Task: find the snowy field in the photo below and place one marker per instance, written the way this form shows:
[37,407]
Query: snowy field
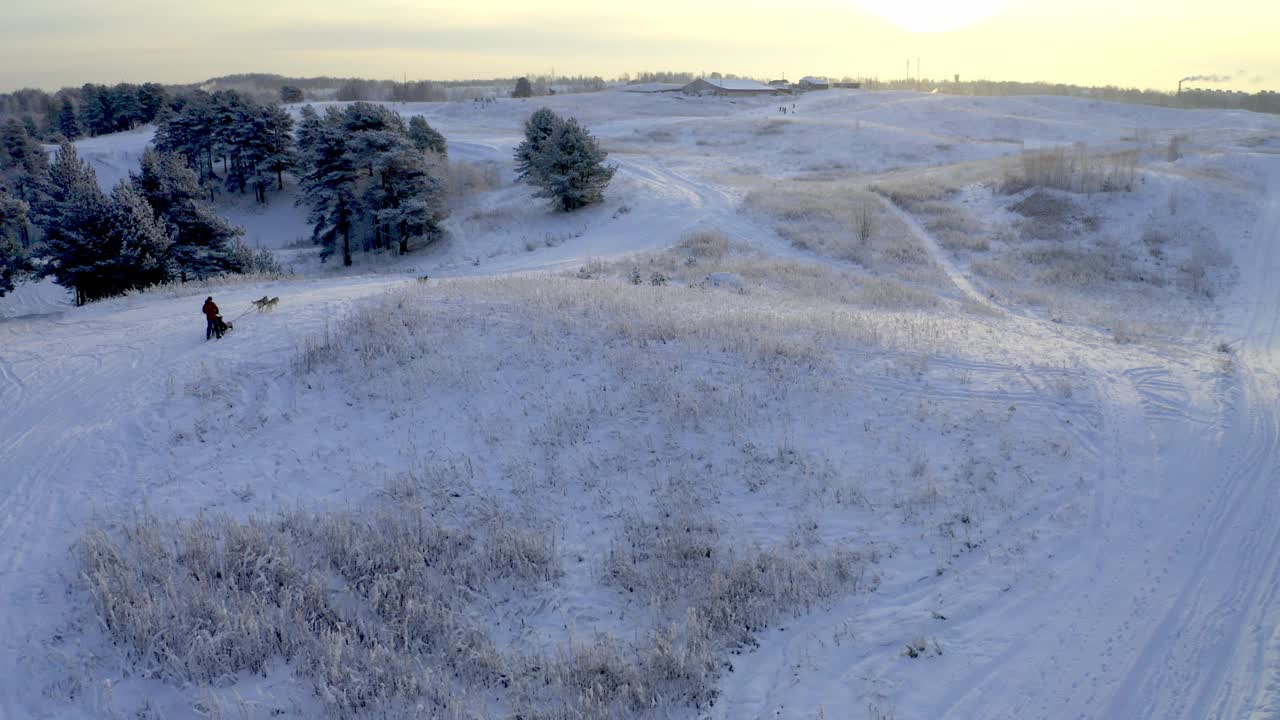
[896,406]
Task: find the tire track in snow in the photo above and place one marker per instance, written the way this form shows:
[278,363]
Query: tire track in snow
[1164,399]
[1234,543]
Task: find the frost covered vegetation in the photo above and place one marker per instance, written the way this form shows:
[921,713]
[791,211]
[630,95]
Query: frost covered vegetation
[843,222]
[597,542]
[1092,238]
[862,409]
[384,612]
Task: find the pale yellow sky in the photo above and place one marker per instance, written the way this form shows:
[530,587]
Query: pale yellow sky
[1143,43]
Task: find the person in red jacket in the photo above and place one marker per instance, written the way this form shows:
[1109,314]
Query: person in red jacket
[211,315]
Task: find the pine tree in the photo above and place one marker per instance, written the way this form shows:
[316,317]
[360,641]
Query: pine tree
[310,131]
[371,130]
[426,137]
[408,198]
[250,152]
[125,109]
[201,240]
[24,169]
[22,154]
[137,241]
[152,98]
[190,131]
[537,129]
[329,183]
[570,170]
[290,94]
[74,218]
[360,169]
[276,147]
[14,262]
[232,118]
[50,128]
[523,88]
[93,112]
[67,124]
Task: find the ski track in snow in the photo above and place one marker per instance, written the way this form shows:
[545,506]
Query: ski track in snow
[1167,609]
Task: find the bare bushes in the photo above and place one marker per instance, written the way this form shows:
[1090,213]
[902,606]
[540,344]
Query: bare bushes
[677,561]
[706,259]
[678,565]
[911,195]
[1045,216]
[1045,205]
[839,222]
[887,294]
[406,324]
[1072,169]
[705,245]
[1201,272]
[1105,262]
[360,606]
[467,178]
[772,127]
[664,670]
[658,135]
[954,228]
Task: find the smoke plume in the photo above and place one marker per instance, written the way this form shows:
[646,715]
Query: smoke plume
[1207,78]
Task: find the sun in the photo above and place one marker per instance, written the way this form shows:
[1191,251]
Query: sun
[933,15]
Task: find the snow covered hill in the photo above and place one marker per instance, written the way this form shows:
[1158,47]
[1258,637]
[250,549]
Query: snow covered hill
[928,444]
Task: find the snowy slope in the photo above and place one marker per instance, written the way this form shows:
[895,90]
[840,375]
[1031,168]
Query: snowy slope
[1125,554]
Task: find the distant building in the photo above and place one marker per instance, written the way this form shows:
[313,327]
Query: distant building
[779,83]
[653,87]
[728,86]
[810,82]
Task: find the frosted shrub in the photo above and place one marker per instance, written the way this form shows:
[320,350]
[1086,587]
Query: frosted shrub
[705,244]
[466,178]
[603,678]
[679,563]
[839,221]
[1075,169]
[370,609]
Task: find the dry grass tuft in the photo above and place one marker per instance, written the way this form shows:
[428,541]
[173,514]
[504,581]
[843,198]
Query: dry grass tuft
[1074,169]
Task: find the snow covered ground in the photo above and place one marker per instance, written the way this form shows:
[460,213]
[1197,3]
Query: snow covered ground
[1020,452]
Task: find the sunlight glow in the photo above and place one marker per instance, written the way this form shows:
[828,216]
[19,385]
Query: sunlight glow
[933,15]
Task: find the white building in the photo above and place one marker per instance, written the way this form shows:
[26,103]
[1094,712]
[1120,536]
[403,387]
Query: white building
[728,86]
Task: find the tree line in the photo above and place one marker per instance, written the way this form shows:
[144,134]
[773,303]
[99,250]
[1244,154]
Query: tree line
[1265,101]
[252,142]
[152,228]
[90,110]
[369,180]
